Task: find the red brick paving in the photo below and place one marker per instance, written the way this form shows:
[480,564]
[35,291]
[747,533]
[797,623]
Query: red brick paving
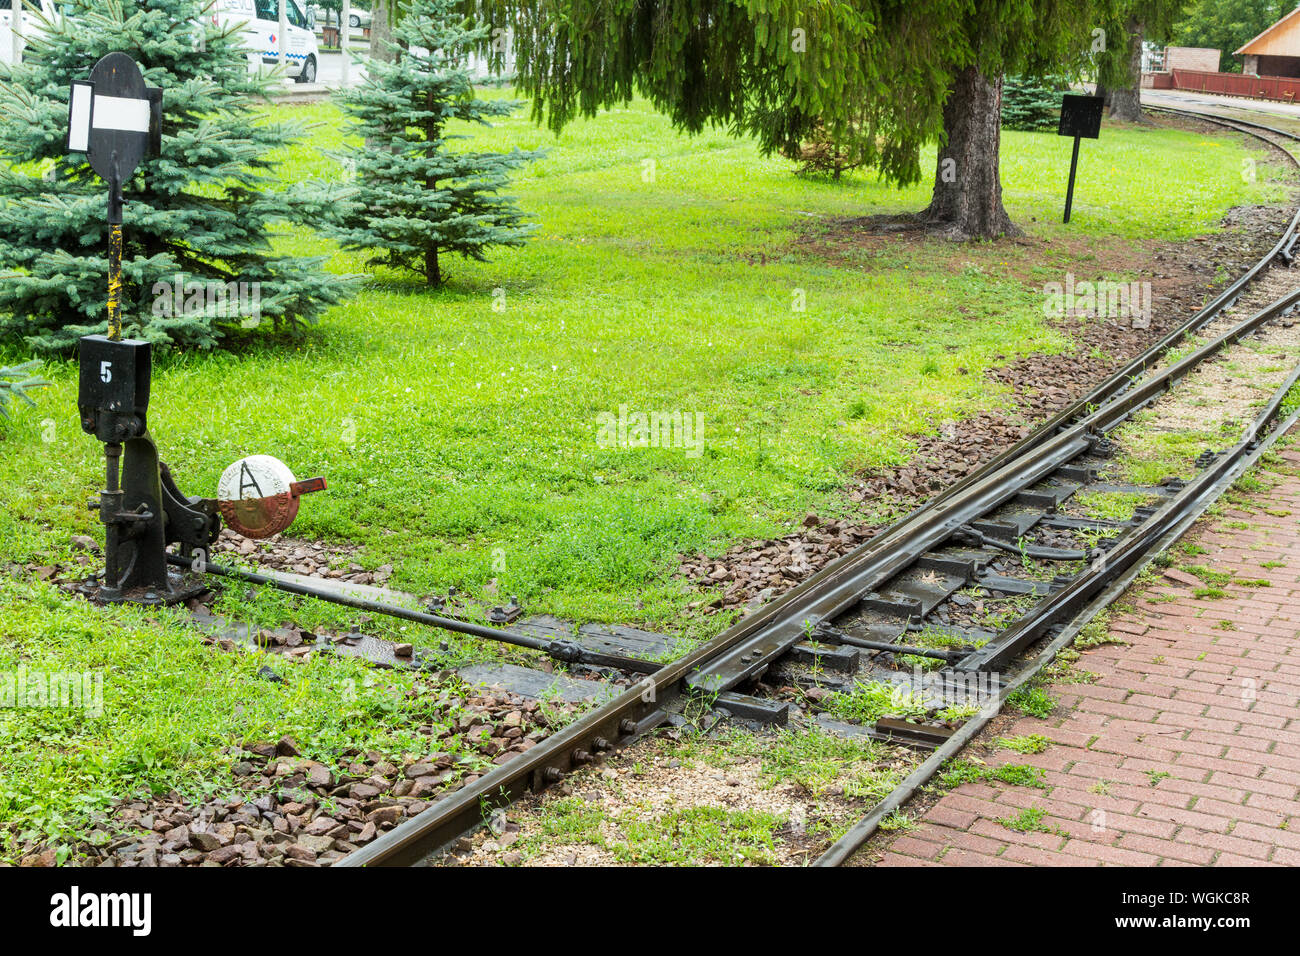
[1185,751]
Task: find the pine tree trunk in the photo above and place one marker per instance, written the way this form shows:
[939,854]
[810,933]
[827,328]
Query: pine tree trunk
[432,271]
[381,30]
[432,135]
[381,38]
[1126,103]
[967,200]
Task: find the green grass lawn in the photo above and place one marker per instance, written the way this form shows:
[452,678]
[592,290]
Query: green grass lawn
[457,437]
[460,440]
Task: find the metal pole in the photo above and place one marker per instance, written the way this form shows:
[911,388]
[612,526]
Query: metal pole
[115,256]
[560,649]
[16,32]
[1069,192]
[284,29]
[345,41]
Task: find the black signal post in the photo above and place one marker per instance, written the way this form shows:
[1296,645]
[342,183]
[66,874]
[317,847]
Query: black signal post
[1080,118]
[116,120]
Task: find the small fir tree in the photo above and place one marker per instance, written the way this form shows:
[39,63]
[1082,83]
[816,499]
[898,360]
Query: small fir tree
[1030,104]
[415,199]
[199,218]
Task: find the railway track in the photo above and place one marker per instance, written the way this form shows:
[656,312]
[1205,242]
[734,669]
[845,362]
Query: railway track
[1014,531]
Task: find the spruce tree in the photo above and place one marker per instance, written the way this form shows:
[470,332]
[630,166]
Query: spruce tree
[201,215]
[416,198]
[1029,103]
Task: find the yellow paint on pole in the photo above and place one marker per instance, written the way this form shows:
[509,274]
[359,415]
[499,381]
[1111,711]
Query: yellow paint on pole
[115,282]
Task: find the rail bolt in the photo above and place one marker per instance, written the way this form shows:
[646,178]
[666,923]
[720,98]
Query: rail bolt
[600,745]
[627,727]
[552,774]
[580,756]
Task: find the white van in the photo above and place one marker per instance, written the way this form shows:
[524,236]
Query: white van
[260,36]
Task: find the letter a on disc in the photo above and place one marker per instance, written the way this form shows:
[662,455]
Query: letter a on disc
[256,496]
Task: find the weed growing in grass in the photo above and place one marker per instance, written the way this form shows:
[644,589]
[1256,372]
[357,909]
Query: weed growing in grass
[1111,505]
[871,700]
[564,821]
[1033,702]
[1030,820]
[1250,484]
[1209,575]
[957,713]
[1064,669]
[697,835]
[930,636]
[818,762]
[1155,776]
[896,821]
[1096,633]
[958,771]
[1030,744]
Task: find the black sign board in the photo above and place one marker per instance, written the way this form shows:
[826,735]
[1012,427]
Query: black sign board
[1081,116]
[116,121]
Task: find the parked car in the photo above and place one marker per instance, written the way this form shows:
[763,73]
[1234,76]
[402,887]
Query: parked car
[358,17]
[262,19]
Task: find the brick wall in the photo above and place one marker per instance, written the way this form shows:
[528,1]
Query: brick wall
[1191,58]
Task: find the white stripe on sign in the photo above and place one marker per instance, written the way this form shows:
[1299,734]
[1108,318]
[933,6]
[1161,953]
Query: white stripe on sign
[121,113]
[79,132]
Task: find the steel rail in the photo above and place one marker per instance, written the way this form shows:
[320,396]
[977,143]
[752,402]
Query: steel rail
[1128,547]
[826,593]
[1190,504]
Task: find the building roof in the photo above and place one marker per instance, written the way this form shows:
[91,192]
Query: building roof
[1281,39]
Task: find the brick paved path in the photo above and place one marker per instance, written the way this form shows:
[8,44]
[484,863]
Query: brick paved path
[1185,751]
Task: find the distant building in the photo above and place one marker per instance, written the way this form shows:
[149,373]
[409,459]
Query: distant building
[1200,58]
[1276,51]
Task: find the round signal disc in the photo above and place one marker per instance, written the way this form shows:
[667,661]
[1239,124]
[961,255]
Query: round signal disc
[256,498]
